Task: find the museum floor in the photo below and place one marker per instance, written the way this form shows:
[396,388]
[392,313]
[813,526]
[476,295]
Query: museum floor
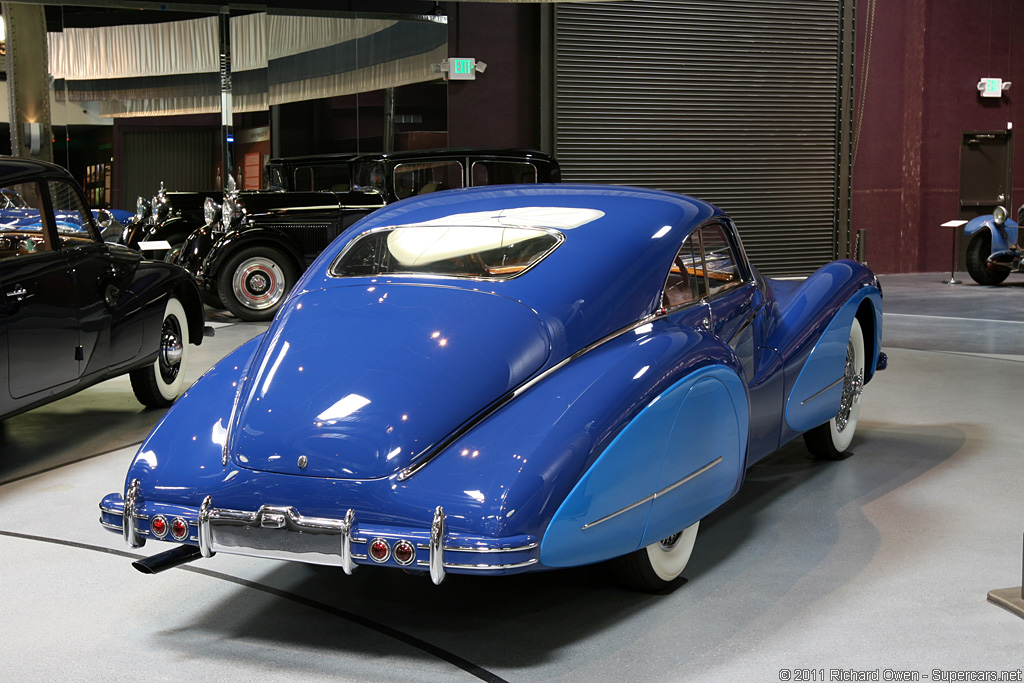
[878,562]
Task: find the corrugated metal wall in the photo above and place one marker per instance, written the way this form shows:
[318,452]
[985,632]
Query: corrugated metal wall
[736,102]
[183,159]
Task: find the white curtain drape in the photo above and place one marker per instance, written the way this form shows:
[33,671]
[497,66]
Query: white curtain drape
[304,58]
[173,47]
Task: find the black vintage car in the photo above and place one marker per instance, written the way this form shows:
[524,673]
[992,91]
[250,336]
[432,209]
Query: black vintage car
[161,224]
[250,258]
[77,310]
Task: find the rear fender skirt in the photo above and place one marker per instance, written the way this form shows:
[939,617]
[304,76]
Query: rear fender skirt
[816,393]
[680,458]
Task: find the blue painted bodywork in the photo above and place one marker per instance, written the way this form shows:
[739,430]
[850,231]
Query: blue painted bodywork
[1003,236]
[528,408]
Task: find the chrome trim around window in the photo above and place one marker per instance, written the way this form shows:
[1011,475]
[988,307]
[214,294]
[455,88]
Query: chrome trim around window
[653,496]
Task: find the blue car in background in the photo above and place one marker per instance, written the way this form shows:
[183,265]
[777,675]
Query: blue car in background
[507,379]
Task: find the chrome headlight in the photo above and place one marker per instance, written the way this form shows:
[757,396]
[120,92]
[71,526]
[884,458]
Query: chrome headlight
[160,212]
[141,209]
[228,211]
[999,215]
[210,211]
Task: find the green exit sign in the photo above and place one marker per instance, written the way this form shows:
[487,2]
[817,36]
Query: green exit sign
[462,68]
[992,87]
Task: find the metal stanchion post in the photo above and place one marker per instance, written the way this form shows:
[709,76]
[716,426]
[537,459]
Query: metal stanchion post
[956,225]
[1011,599]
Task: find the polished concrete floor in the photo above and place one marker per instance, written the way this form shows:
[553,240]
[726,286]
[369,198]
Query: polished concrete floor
[878,562]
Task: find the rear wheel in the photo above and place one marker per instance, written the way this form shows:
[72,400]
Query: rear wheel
[978,251]
[254,282]
[830,440]
[655,568]
[157,385]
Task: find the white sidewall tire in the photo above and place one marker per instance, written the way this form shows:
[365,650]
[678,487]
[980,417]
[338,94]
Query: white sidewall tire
[842,439]
[171,390]
[669,564]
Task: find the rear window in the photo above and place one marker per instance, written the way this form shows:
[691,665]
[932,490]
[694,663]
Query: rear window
[493,253]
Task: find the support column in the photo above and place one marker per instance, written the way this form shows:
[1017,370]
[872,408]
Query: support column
[28,81]
[227,130]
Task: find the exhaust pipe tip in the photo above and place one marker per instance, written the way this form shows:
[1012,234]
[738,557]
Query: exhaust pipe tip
[167,560]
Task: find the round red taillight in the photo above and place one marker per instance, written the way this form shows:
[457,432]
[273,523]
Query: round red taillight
[379,550]
[405,552]
[158,526]
[179,529]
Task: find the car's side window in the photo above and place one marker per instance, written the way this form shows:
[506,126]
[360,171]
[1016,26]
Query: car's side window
[21,226]
[74,221]
[719,260]
[503,173]
[332,177]
[684,283]
[427,176]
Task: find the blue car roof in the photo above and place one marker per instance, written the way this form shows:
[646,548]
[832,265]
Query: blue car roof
[608,272]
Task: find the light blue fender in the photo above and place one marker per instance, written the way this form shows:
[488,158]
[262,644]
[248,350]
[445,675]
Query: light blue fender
[818,389]
[680,458]
[1003,237]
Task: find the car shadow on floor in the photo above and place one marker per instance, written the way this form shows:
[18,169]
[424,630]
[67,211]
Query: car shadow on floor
[750,555]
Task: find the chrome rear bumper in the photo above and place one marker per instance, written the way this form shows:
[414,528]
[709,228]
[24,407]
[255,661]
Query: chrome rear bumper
[282,533]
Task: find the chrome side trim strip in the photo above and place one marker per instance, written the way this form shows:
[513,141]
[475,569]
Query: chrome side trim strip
[119,513]
[478,549]
[651,497]
[128,526]
[115,527]
[432,451]
[485,567]
[838,381]
[437,532]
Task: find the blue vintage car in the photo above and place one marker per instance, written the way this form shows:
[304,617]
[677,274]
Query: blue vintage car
[507,379]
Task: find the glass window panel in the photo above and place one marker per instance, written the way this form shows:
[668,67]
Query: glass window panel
[453,251]
[74,221]
[426,177]
[503,172]
[719,259]
[21,225]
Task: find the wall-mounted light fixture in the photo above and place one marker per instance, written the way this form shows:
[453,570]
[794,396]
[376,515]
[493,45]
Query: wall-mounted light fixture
[33,133]
[993,87]
[459,68]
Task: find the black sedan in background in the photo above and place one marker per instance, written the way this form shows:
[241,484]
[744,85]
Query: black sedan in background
[77,310]
[250,252]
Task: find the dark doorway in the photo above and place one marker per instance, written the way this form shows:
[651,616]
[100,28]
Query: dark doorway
[986,160]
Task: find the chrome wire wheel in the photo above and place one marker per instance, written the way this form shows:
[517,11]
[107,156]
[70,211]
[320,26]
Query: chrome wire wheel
[853,386]
[258,283]
[830,440]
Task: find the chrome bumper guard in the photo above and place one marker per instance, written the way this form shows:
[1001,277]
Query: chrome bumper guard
[282,533]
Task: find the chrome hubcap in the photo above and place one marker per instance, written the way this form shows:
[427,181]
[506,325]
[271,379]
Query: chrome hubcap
[853,386]
[258,283]
[171,350]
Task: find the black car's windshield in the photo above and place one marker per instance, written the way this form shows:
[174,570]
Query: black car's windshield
[495,253]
